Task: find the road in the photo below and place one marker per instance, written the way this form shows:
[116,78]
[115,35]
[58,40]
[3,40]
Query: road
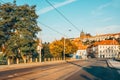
[99,70]
[70,70]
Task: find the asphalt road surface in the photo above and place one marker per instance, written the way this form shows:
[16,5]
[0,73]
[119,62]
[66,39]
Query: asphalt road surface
[98,70]
[70,70]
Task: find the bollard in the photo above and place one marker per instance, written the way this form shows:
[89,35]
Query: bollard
[48,59]
[30,60]
[8,61]
[17,61]
[36,60]
[45,59]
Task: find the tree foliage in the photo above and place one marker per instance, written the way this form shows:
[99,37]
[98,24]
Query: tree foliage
[57,47]
[46,50]
[18,29]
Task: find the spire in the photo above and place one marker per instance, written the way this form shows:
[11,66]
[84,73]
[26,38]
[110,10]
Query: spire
[82,31]
[82,34]
[14,1]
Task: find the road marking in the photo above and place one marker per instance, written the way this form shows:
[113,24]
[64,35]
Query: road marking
[15,74]
[10,75]
[118,71]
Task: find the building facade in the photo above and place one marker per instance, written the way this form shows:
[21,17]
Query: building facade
[106,49]
[102,37]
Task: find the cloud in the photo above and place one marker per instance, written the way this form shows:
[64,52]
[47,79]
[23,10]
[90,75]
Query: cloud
[103,6]
[98,10]
[108,29]
[47,9]
[107,19]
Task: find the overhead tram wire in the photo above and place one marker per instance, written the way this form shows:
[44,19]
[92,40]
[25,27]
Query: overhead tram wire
[63,16]
[52,29]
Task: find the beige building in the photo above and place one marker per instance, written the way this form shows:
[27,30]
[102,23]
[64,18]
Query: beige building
[106,49]
[102,37]
[81,52]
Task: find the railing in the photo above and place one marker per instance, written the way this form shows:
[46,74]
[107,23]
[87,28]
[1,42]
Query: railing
[31,60]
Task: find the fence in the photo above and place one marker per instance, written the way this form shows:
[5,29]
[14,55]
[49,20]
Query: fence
[31,60]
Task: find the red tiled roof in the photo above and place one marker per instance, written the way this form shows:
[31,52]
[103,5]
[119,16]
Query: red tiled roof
[106,42]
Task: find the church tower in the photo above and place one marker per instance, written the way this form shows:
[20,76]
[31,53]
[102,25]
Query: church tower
[82,35]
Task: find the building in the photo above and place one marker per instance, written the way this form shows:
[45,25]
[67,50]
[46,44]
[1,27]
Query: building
[84,35]
[102,37]
[101,46]
[106,49]
[81,52]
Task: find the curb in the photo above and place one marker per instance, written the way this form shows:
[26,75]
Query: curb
[109,64]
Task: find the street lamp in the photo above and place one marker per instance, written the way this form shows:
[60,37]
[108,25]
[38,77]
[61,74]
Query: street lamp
[64,49]
[64,46]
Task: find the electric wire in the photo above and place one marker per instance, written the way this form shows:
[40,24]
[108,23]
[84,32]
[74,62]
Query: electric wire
[52,29]
[63,16]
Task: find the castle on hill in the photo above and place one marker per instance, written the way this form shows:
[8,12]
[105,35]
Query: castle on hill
[101,46]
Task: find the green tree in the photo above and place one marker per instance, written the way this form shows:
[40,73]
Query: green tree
[18,28]
[46,50]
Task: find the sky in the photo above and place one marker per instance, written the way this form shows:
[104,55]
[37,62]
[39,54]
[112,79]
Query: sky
[91,16]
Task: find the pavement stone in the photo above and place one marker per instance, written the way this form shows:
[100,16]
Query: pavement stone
[114,64]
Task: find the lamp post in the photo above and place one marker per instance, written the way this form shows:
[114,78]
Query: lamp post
[64,49]
[40,55]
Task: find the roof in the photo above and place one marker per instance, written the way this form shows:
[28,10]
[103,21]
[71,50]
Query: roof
[106,42]
[82,47]
[79,44]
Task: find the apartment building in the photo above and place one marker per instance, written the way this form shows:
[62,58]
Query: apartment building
[106,49]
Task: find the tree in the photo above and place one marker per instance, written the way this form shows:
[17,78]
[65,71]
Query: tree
[46,51]
[18,28]
[57,47]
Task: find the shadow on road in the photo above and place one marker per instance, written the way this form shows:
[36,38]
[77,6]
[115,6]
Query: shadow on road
[73,63]
[100,73]
[85,77]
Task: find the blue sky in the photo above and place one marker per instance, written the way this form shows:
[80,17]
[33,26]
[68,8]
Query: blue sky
[91,16]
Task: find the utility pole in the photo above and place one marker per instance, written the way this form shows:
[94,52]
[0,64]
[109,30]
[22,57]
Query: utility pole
[64,49]
[40,43]
[40,55]
[39,47]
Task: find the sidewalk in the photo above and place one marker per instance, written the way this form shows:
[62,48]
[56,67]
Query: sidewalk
[26,65]
[113,64]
